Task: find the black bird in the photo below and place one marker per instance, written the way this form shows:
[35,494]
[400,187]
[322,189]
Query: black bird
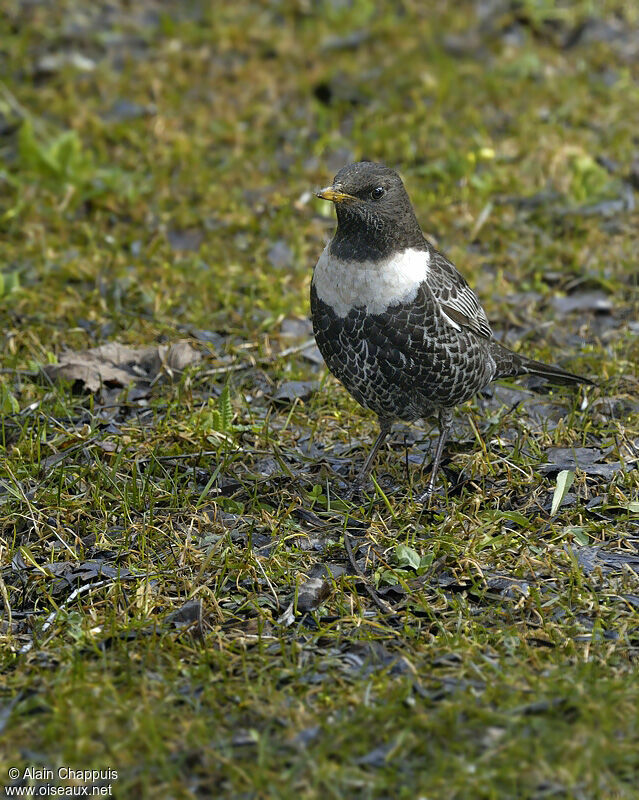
[394,320]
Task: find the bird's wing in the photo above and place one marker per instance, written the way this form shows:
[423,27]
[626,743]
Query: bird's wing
[455,297]
[431,361]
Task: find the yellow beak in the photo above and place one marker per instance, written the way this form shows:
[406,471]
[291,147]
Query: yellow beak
[335,195]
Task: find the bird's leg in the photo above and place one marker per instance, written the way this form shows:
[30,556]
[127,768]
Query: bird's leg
[445,424]
[384,430]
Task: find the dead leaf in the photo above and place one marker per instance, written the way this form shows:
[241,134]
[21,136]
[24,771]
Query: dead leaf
[107,446]
[583,301]
[115,364]
[312,594]
[178,356]
[187,614]
[73,573]
[296,328]
[586,459]
[289,391]
[185,240]
[288,617]
[591,558]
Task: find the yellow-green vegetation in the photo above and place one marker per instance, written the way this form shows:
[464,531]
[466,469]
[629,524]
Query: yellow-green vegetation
[159,541]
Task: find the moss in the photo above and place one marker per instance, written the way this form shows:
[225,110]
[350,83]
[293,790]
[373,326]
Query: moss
[144,189]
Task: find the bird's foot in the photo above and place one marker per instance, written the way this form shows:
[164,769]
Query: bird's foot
[432,493]
[358,484]
[426,497]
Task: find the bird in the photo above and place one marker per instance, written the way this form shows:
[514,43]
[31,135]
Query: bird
[395,321]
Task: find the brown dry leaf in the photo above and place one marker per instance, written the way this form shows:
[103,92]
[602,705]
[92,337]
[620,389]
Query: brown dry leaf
[312,594]
[119,365]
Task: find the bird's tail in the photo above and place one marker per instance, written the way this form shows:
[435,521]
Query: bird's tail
[510,364]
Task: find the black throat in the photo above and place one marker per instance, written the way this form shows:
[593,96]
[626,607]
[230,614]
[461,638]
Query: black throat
[364,237]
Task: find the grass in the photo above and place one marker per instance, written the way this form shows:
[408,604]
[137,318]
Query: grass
[157,546]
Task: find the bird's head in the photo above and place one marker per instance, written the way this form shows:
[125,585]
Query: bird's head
[373,209]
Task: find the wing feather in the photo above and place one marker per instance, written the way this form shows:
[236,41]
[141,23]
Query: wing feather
[456,298]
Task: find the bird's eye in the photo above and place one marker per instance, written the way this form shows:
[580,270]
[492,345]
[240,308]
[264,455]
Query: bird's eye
[377,192]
